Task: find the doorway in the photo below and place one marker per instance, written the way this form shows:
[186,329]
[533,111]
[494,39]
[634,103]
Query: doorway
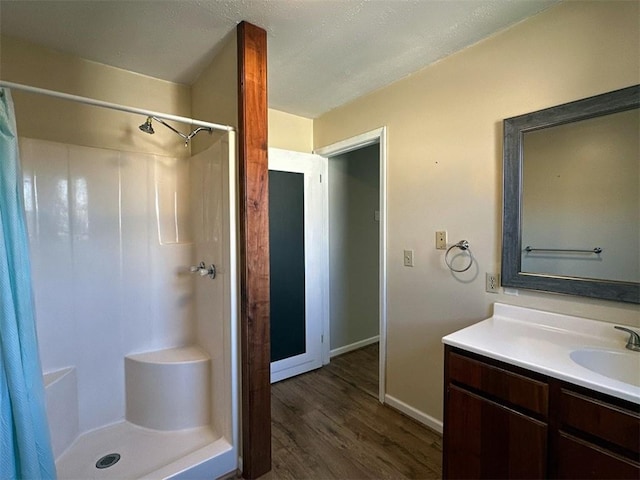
[354,218]
[368,153]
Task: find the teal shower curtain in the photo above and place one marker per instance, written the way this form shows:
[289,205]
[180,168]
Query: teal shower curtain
[25,448]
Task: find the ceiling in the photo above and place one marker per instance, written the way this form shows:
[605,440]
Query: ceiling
[322,53]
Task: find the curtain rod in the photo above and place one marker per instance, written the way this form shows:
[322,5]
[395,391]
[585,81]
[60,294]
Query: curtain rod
[115,106]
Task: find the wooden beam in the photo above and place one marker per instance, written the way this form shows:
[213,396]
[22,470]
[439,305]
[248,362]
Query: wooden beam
[254,250]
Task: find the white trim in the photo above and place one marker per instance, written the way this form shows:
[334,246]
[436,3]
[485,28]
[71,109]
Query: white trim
[354,346]
[350,144]
[298,368]
[234,288]
[326,282]
[113,106]
[382,374]
[378,135]
[408,410]
[316,259]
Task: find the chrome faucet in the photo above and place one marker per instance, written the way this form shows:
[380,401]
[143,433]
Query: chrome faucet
[634,339]
[203,271]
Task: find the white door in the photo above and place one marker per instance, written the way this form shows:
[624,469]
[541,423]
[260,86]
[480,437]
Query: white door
[299,261]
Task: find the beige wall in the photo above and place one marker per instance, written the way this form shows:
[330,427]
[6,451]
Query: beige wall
[214,96]
[57,120]
[290,132]
[445,171]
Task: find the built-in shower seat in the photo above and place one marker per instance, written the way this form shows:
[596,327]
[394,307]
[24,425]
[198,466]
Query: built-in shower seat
[168,389]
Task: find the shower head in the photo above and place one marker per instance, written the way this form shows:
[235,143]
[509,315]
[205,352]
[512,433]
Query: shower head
[146,127]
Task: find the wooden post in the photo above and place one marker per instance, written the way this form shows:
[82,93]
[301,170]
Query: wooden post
[254,250]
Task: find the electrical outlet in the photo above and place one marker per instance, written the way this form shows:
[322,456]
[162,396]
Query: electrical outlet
[408,258]
[492,284]
[441,240]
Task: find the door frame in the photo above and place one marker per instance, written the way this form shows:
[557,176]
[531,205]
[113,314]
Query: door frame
[379,136]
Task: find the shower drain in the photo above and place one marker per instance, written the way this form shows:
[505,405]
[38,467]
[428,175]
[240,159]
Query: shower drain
[108,460]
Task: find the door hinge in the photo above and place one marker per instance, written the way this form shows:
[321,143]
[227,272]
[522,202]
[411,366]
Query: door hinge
[320,178]
[321,338]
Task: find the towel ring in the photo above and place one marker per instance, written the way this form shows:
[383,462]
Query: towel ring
[464,246]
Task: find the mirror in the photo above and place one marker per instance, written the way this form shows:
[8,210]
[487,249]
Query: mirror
[571,201]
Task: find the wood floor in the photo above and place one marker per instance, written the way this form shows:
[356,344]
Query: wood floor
[328,424]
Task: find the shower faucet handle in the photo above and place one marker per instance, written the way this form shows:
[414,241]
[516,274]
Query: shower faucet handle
[203,270]
[211,271]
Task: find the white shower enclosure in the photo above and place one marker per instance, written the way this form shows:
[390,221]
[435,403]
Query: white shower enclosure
[139,354]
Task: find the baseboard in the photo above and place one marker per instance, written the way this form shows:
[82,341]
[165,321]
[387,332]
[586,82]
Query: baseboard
[354,346]
[414,413]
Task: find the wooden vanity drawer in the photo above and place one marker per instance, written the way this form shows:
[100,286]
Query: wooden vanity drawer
[580,459]
[499,383]
[616,425]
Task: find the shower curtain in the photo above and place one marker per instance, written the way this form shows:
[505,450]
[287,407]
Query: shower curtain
[25,447]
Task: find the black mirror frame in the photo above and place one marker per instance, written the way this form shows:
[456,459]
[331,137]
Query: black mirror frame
[514,129]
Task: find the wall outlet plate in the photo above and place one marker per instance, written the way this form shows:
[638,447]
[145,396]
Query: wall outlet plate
[441,240]
[492,282]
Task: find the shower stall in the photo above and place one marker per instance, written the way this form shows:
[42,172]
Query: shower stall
[134,273]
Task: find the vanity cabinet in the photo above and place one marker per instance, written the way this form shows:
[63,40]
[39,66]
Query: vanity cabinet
[502,421]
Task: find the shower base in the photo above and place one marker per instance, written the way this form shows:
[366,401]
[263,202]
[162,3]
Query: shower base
[144,453]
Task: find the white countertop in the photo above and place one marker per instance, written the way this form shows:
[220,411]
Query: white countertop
[543,341]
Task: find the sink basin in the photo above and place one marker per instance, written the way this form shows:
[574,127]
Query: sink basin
[618,365]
